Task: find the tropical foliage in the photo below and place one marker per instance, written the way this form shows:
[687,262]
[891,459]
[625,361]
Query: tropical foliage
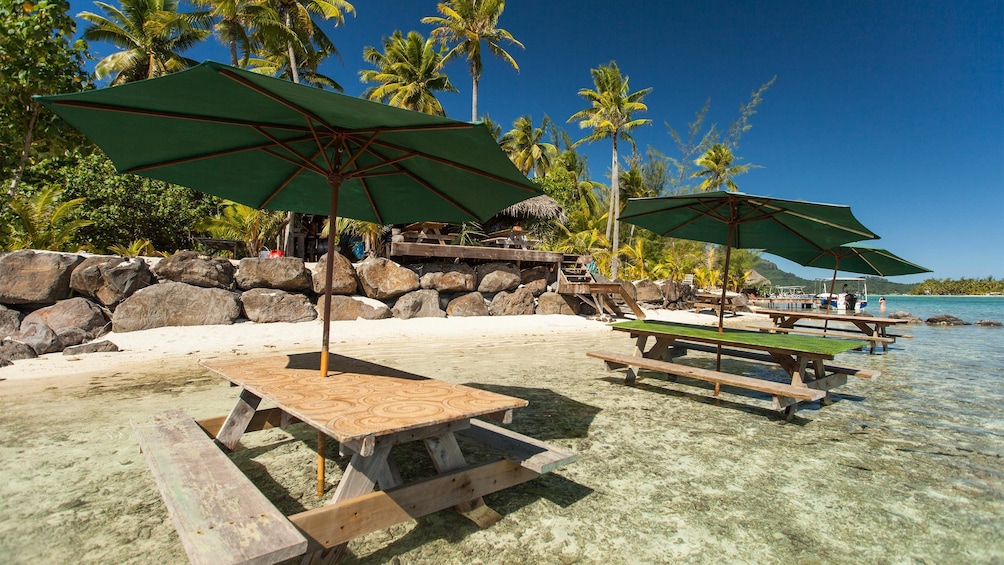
[44,221]
[407,74]
[989,285]
[256,229]
[526,146]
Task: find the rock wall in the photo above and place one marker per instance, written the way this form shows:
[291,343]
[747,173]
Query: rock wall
[53,301]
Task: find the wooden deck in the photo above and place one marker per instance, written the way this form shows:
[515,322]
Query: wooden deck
[406,249]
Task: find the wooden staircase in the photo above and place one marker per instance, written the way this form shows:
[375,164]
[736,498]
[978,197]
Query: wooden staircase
[576,279]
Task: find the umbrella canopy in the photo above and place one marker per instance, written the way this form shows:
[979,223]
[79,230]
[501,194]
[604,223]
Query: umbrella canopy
[269,143]
[735,219]
[852,258]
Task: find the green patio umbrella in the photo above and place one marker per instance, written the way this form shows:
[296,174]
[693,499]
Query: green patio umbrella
[269,143]
[853,258]
[735,219]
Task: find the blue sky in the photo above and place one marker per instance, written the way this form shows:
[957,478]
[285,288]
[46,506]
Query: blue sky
[894,108]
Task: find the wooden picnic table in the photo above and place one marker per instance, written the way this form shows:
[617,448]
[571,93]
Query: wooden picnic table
[424,232]
[871,328]
[368,408]
[803,358]
[713,300]
[511,237]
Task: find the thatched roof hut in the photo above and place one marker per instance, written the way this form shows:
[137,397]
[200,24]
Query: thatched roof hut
[756,279]
[538,208]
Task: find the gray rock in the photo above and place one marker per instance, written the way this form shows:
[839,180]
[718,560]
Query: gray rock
[265,305]
[470,304]
[629,286]
[678,294]
[10,322]
[93,347]
[496,277]
[29,277]
[903,315]
[343,275]
[110,280]
[355,307]
[554,303]
[283,273]
[536,279]
[194,269]
[419,304]
[39,337]
[945,320]
[176,304]
[448,277]
[989,324]
[382,278]
[75,313]
[14,350]
[648,291]
[516,303]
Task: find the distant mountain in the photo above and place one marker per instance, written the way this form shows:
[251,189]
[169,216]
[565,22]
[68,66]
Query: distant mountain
[876,285]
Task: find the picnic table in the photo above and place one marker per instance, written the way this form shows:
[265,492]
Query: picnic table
[870,328]
[509,238]
[366,407]
[713,300]
[424,232]
[804,359]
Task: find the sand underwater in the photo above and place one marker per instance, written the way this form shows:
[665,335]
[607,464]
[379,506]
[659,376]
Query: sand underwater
[666,472]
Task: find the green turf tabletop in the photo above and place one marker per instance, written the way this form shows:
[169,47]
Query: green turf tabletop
[740,338]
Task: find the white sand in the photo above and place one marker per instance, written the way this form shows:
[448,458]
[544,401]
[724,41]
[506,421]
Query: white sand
[161,345]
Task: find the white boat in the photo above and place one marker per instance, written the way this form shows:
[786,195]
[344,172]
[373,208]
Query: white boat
[855,298]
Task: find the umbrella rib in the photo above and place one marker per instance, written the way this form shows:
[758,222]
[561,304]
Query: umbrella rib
[193,158]
[300,169]
[173,115]
[361,172]
[369,197]
[276,98]
[307,163]
[302,165]
[454,164]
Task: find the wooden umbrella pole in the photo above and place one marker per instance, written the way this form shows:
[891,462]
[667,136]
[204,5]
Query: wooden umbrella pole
[721,305]
[320,464]
[329,269]
[833,285]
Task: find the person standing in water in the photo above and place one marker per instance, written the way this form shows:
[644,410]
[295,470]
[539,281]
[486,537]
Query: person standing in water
[882,304]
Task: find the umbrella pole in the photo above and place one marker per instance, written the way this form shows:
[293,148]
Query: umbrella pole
[329,269]
[833,285]
[721,305]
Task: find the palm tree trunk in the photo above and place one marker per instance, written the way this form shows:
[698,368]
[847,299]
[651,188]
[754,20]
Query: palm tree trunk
[232,40]
[23,161]
[292,55]
[474,100]
[615,206]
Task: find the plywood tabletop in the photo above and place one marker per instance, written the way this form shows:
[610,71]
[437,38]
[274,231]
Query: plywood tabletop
[358,399]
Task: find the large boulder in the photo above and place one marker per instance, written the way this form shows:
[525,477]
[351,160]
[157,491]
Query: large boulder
[677,294]
[73,321]
[176,304]
[10,322]
[13,350]
[990,323]
[554,303]
[343,275]
[648,291]
[470,304]
[945,320]
[629,287]
[419,304]
[448,277]
[110,280]
[496,277]
[356,307]
[39,337]
[194,269]
[382,278]
[904,315]
[29,277]
[283,273]
[536,279]
[264,305]
[516,303]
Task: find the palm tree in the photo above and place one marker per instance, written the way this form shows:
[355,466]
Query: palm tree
[272,59]
[43,222]
[526,147]
[609,115]
[253,227]
[718,169]
[408,72]
[240,24]
[466,24]
[152,35]
[296,15]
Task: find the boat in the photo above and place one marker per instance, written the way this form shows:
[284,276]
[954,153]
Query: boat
[856,299]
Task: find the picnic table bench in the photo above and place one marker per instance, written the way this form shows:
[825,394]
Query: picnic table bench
[804,359]
[713,301]
[872,329]
[221,517]
[510,238]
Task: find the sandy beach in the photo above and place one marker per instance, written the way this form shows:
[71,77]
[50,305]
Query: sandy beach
[666,471]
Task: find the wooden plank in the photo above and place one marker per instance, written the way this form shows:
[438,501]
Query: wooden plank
[828,333]
[472,252]
[738,381]
[446,456]
[262,420]
[237,421]
[530,453]
[220,516]
[344,521]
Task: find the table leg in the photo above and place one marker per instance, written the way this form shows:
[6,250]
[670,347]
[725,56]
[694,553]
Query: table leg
[639,351]
[446,456]
[237,421]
